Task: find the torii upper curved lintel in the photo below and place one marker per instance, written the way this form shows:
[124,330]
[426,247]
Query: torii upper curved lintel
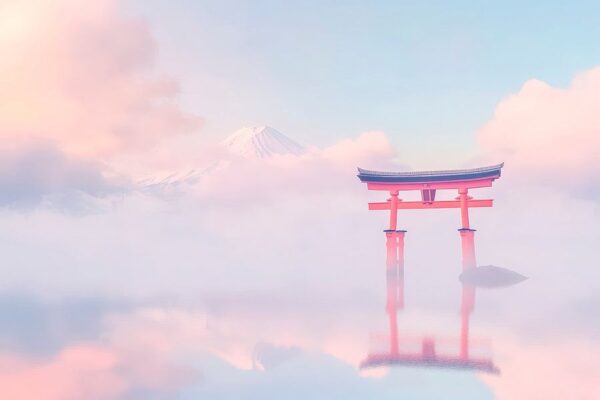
[417,180]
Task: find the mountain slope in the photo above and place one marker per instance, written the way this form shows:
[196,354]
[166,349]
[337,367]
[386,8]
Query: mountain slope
[255,143]
[260,143]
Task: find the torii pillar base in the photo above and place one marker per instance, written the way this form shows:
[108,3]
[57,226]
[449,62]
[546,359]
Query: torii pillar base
[467,239]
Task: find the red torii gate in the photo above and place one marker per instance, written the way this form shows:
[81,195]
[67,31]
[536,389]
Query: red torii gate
[428,182]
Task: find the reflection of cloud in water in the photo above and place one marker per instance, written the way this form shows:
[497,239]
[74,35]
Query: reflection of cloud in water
[31,326]
[267,356]
[489,276]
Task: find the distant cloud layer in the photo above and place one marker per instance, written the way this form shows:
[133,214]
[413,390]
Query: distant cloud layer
[76,75]
[38,172]
[550,135]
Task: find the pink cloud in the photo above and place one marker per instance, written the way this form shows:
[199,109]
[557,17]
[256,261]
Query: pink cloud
[77,77]
[231,336]
[80,371]
[546,371]
[370,147]
[549,134]
[93,371]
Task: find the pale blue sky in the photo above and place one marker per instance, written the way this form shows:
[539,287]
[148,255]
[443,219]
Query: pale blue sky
[428,73]
[186,282]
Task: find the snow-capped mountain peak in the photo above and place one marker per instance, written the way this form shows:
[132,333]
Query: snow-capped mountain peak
[256,143]
[261,142]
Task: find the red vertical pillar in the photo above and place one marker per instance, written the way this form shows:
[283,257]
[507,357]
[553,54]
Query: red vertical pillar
[395,282]
[400,269]
[391,281]
[467,239]
[464,207]
[393,210]
[467,235]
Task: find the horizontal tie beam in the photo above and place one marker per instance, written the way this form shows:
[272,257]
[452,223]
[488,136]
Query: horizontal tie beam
[436,204]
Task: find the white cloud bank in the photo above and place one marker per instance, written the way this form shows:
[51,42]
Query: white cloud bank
[548,135]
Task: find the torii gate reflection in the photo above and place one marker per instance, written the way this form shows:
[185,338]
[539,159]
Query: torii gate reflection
[428,183]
